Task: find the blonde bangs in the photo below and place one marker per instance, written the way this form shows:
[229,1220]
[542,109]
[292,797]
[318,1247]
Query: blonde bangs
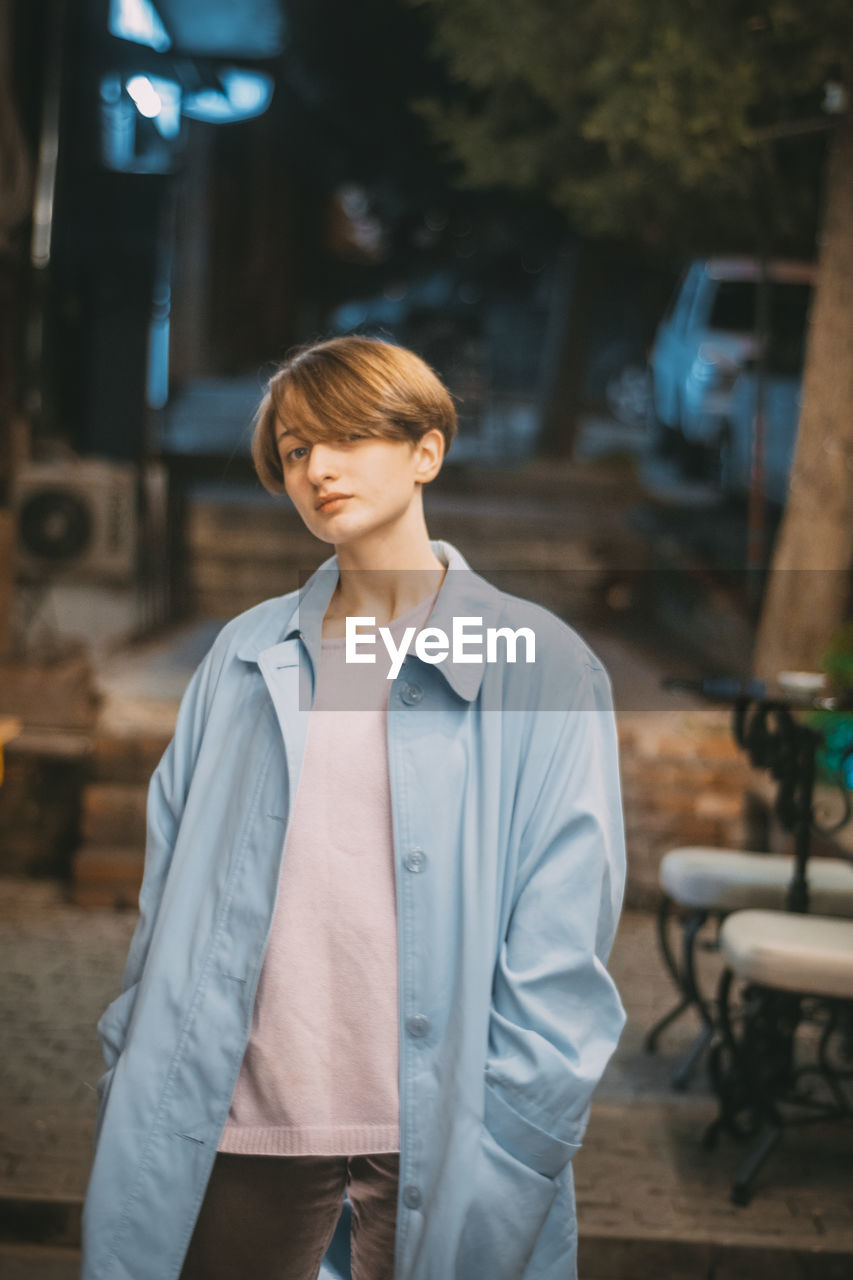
[332,388]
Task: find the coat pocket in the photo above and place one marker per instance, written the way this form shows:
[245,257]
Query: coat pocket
[505,1216]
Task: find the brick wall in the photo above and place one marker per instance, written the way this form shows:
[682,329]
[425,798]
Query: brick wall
[684,781]
[39,814]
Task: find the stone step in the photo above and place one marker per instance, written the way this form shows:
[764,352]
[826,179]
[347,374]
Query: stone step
[129,759]
[44,1220]
[105,876]
[106,869]
[58,693]
[39,1240]
[615,1256]
[37,1262]
[113,813]
[34,1262]
[114,897]
[241,554]
[253,579]
[235,533]
[241,530]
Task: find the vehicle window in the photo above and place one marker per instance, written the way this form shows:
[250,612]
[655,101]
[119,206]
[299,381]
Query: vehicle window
[734,306]
[734,309]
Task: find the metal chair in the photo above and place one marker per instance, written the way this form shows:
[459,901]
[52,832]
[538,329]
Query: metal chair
[795,971]
[704,885]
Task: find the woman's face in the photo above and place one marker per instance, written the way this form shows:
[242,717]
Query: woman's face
[349,487]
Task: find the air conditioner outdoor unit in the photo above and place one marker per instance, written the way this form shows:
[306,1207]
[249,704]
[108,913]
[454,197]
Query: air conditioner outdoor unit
[77,520]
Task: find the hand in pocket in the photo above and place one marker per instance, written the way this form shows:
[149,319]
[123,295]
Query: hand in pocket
[508,1209]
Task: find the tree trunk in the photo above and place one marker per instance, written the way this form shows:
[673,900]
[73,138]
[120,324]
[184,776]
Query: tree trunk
[807,588]
[576,282]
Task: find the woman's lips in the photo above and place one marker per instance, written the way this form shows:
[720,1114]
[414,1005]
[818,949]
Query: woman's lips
[332,502]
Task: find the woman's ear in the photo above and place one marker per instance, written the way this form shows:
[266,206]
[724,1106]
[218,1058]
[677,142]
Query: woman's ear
[429,455]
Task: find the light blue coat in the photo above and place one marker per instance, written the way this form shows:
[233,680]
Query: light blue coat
[510,862]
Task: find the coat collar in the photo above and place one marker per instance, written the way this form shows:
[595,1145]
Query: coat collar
[461,594]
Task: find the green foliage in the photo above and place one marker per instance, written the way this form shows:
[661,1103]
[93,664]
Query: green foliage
[637,117]
[837,660]
[836,727]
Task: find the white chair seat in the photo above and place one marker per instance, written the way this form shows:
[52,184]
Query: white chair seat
[730,880]
[808,954]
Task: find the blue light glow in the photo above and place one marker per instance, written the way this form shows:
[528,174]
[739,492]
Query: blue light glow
[139,21]
[157,383]
[158,100]
[147,99]
[249,92]
[243,95]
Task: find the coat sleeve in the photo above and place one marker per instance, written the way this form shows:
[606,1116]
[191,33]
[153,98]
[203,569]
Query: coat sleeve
[167,793]
[556,1015]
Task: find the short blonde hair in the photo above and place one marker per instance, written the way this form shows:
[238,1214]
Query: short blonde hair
[352,383]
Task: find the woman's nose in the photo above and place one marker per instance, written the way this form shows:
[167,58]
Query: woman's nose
[322,462]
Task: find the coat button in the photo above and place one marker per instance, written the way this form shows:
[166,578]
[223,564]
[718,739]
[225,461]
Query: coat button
[418,1025]
[411,693]
[412,1198]
[414,860]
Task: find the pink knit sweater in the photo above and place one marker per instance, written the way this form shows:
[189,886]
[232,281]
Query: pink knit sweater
[320,1071]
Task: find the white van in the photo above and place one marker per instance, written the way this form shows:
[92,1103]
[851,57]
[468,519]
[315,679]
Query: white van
[706,339]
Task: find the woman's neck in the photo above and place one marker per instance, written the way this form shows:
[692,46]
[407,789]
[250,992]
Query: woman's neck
[386,581]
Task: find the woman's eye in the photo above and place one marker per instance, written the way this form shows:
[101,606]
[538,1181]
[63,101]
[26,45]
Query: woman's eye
[355,435]
[293,455]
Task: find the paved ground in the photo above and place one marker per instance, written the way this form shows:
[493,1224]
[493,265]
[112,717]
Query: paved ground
[646,1190]
[59,968]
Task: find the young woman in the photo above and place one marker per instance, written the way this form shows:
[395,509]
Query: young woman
[383,872]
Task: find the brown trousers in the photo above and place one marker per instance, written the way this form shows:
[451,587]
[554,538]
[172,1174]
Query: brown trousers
[272,1217]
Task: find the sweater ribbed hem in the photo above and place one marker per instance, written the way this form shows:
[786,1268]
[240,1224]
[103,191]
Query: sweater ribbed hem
[353,1140]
